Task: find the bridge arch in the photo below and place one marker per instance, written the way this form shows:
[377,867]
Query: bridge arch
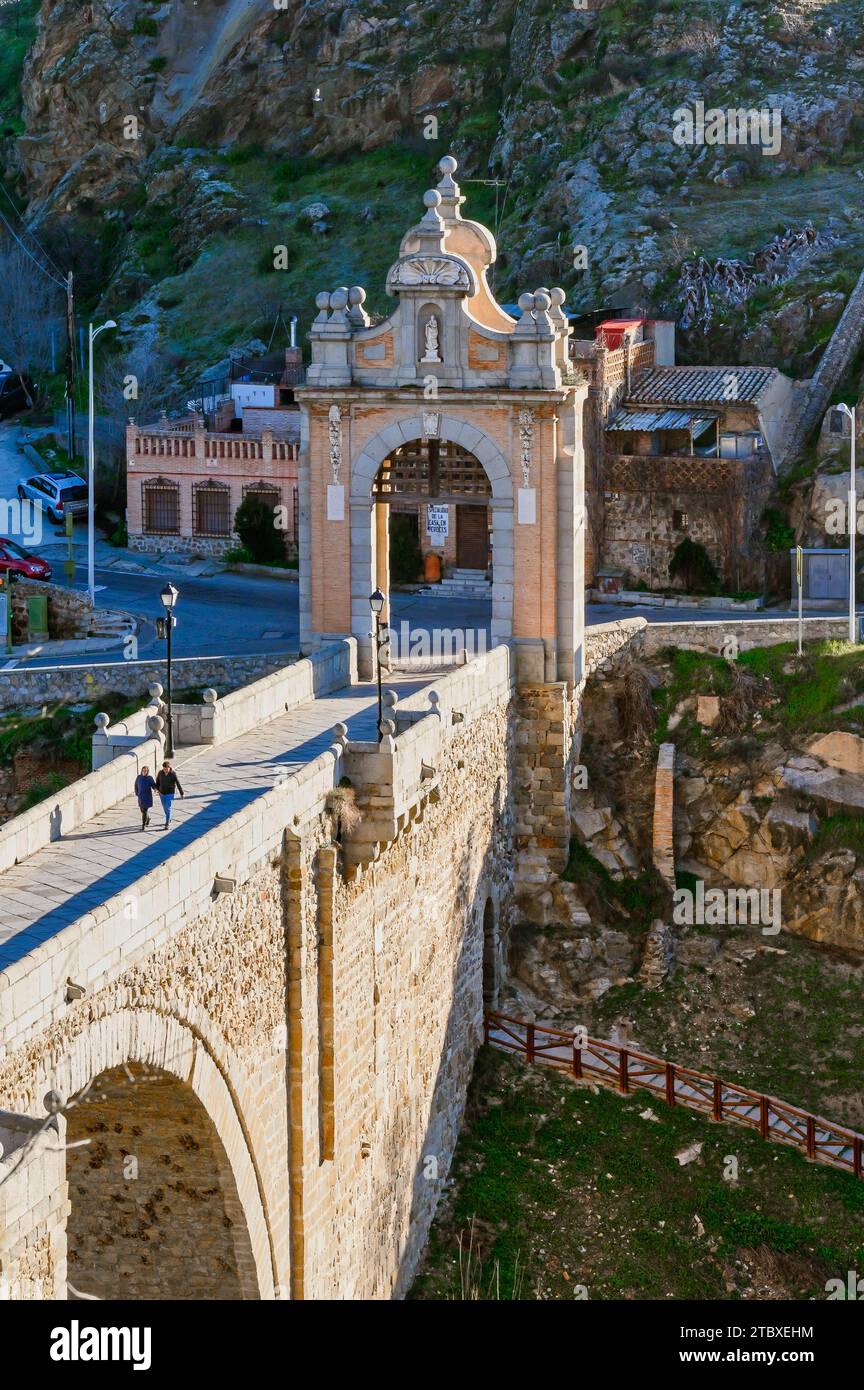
[140,1047]
[154,1211]
[369,521]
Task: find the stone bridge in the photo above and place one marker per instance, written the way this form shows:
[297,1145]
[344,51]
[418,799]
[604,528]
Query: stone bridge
[235,1054]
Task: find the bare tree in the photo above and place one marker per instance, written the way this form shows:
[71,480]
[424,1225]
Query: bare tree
[30,308]
[132,385]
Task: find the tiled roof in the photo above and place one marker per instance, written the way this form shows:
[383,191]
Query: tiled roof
[659,420]
[680,385]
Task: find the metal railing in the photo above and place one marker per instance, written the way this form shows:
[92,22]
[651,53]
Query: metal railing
[626,1070]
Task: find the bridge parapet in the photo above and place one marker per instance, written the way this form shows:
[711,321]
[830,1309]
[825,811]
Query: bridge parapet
[76,804]
[396,779]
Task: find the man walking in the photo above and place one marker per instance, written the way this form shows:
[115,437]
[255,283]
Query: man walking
[144,789]
[167,783]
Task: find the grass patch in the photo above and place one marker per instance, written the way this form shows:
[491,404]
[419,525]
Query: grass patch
[828,674]
[568,1188]
[691,673]
[61,733]
[839,832]
[17,31]
[635,900]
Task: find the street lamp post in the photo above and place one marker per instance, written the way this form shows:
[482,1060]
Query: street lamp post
[169,597]
[376,603]
[853,526]
[91,469]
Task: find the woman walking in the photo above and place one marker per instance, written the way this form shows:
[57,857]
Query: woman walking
[144,789]
[167,783]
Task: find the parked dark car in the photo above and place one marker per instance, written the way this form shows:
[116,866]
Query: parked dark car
[18,563]
[13,396]
[58,493]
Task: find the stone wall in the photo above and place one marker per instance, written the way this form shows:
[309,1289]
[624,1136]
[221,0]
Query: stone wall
[20,689]
[722,500]
[69,610]
[715,636]
[405,937]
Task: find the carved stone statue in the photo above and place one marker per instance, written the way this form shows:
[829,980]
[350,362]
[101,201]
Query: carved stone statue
[431,336]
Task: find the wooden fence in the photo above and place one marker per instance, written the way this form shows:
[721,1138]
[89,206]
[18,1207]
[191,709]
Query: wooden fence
[626,1070]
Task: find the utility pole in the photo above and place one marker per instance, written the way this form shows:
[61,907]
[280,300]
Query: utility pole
[70,367]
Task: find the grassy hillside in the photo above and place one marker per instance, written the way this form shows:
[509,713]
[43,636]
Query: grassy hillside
[556,1186]
[17,28]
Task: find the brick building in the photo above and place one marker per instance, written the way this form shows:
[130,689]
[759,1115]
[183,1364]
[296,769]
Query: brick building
[186,478]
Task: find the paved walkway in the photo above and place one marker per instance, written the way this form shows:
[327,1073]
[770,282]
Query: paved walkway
[106,855]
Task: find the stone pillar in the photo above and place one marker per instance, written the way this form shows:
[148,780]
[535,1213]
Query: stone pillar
[382,554]
[34,1206]
[663,839]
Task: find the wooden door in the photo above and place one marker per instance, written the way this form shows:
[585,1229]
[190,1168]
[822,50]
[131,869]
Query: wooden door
[472,537]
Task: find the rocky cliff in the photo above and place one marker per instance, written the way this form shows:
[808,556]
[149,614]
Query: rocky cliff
[253,109]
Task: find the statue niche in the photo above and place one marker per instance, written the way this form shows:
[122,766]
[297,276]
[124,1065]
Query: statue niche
[429,334]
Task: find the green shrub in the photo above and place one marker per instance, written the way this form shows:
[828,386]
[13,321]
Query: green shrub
[239,555]
[254,524]
[406,557]
[147,27]
[119,536]
[692,564]
[157,64]
[779,535]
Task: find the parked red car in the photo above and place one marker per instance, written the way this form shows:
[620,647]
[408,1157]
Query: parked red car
[18,563]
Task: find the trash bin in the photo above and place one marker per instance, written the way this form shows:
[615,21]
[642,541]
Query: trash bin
[432,568]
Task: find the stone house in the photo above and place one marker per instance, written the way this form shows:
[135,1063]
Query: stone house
[677,451]
[186,478]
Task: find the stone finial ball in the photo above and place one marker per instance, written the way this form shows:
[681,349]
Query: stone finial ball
[388,728]
[101,721]
[526,302]
[390,697]
[558,296]
[54,1102]
[432,198]
[447,165]
[155,690]
[339,299]
[157,723]
[209,696]
[356,294]
[542,301]
[322,300]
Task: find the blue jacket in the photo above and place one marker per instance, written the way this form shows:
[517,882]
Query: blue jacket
[144,788]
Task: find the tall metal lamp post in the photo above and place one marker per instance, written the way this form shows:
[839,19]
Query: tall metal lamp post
[376,603]
[853,526]
[169,597]
[91,467]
